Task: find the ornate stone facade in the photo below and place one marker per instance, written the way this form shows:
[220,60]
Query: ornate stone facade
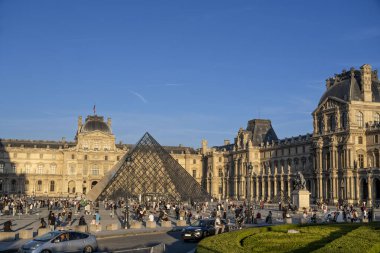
[340,159]
[69,169]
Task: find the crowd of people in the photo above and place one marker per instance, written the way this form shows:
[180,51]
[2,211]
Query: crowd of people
[61,211]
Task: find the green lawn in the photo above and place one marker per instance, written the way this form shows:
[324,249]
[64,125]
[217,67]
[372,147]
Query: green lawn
[357,237]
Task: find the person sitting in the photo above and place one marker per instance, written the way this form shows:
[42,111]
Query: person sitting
[82,221]
[43,223]
[7,226]
[258,215]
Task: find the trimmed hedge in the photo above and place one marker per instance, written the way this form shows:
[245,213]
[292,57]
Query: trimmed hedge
[348,237]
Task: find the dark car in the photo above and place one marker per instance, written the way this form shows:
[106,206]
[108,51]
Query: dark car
[200,229]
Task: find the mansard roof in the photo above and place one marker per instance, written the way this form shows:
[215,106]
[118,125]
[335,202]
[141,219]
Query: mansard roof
[262,131]
[35,143]
[348,86]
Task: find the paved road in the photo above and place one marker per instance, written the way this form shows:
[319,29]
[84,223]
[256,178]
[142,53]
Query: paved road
[173,242]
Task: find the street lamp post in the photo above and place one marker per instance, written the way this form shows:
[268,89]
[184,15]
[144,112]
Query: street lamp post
[129,161]
[249,172]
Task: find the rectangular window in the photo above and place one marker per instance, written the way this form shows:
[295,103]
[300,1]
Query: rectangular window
[220,173]
[85,157]
[53,168]
[220,189]
[41,156]
[376,138]
[2,165]
[361,161]
[27,168]
[40,169]
[106,158]
[194,173]
[95,171]
[13,168]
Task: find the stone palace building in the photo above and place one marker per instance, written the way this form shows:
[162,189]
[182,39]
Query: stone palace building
[339,160]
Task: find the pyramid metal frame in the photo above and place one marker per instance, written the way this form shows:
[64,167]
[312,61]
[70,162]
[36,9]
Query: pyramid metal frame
[148,169]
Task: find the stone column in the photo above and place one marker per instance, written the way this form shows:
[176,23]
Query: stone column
[370,180]
[257,189]
[235,188]
[269,187]
[289,186]
[275,186]
[320,186]
[357,185]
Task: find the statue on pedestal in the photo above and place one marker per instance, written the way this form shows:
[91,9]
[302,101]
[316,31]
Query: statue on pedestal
[300,182]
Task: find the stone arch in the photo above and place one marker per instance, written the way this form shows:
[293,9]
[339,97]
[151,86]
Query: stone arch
[71,187]
[376,189]
[364,189]
[13,185]
[308,185]
[26,185]
[93,183]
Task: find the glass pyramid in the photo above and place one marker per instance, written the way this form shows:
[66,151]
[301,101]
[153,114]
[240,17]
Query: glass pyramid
[148,170]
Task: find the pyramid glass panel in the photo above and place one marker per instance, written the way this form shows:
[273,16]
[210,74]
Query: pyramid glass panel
[148,170]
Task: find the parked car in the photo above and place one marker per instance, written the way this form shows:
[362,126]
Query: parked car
[200,229]
[61,241]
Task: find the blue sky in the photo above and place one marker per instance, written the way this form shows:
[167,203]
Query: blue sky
[182,70]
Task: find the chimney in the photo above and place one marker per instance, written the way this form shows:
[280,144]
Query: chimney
[366,72]
[226,142]
[109,122]
[79,122]
[204,146]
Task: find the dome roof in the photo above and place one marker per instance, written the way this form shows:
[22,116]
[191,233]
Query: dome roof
[349,88]
[94,123]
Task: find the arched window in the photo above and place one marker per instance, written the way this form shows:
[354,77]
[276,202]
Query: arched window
[344,120]
[2,166]
[376,118]
[93,184]
[320,124]
[26,185]
[39,185]
[194,161]
[220,159]
[359,119]
[332,122]
[52,186]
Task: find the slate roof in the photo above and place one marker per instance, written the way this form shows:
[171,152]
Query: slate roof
[346,88]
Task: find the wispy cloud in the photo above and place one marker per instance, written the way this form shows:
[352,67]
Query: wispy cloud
[174,84]
[166,85]
[139,96]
